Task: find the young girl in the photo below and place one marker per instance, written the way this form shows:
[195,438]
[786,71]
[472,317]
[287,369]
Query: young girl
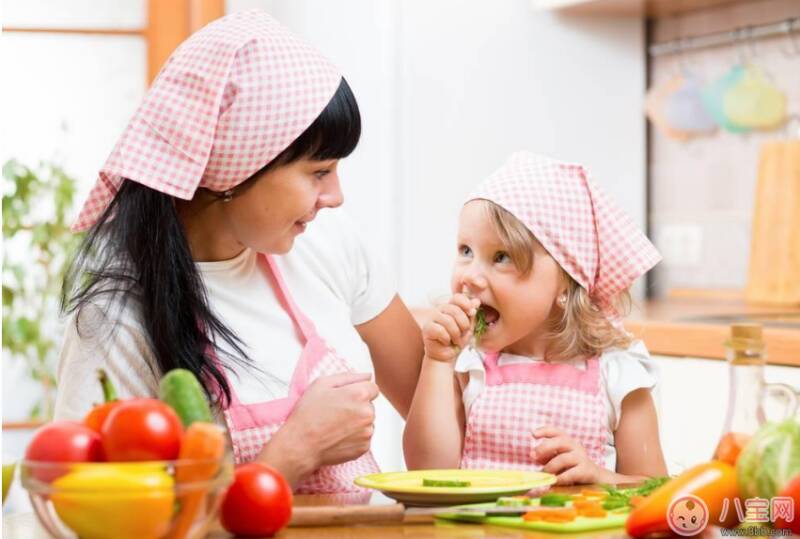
[548,380]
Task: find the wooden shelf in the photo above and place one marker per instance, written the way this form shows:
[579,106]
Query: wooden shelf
[632,8]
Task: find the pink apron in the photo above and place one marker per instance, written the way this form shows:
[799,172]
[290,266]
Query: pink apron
[519,398]
[252,425]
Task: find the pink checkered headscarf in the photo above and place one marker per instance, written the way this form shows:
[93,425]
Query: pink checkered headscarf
[230,98]
[589,236]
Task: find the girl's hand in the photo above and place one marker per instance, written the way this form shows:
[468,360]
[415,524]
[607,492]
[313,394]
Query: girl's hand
[566,458]
[331,423]
[450,328]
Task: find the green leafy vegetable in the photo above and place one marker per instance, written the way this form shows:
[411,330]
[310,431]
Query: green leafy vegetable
[480,325]
[769,460]
[621,498]
[444,483]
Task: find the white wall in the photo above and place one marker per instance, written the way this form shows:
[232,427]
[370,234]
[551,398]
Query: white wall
[693,399]
[447,90]
[482,79]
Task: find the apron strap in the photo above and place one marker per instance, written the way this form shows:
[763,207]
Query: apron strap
[490,363]
[314,349]
[311,345]
[307,328]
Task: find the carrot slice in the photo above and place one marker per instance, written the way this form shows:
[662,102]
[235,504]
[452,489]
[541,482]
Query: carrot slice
[205,443]
[592,512]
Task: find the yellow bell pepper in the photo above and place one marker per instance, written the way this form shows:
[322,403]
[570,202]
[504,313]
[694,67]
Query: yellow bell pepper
[124,501]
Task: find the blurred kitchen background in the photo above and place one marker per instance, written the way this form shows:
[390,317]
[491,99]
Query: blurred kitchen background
[447,90]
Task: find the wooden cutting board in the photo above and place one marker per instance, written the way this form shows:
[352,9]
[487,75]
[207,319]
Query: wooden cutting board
[774,277]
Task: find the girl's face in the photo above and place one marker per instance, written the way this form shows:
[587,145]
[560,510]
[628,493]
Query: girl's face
[269,214]
[516,306]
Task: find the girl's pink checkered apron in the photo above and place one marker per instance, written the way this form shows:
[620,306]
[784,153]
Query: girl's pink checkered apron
[521,397]
[252,425]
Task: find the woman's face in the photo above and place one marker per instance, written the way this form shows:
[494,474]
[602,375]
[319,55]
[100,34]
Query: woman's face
[269,214]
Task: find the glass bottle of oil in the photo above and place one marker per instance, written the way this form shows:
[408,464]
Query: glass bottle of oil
[746,356]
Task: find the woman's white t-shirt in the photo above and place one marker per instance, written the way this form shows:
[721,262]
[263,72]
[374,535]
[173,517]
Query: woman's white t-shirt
[621,371]
[335,279]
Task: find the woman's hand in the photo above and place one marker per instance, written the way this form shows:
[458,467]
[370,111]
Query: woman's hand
[332,423]
[566,458]
[450,328]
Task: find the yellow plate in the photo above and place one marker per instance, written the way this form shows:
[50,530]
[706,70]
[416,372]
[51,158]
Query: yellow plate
[486,485]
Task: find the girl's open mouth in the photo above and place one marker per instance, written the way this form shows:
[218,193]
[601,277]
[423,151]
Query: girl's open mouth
[490,314]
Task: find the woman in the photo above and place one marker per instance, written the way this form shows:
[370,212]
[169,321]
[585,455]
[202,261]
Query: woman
[230,157]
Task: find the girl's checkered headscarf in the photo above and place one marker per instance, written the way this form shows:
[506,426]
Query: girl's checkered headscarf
[589,236]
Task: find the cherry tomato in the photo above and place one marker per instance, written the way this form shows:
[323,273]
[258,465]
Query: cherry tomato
[791,490]
[141,429]
[63,441]
[258,503]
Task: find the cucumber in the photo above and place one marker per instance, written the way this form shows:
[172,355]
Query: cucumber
[513,501]
[182,391]
[444,483]
[554,500]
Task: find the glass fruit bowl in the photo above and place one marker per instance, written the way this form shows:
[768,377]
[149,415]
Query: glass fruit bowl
[125,500]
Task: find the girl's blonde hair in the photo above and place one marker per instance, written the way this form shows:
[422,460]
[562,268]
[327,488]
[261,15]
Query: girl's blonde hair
[581,329]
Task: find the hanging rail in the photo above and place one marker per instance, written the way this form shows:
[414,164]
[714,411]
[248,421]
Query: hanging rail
[740,35]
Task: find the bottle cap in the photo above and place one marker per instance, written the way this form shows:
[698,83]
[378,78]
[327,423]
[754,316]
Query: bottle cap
[746,339]
[746,331]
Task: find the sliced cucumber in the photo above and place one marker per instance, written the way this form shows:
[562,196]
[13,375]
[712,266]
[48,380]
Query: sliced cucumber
[444,483]
[554,500]
[513,501]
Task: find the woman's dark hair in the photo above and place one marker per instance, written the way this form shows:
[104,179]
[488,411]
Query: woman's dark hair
[138,250]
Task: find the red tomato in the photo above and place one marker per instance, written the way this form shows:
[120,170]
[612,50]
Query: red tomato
[791,490]
[141,429]
[63,441]
[258,503]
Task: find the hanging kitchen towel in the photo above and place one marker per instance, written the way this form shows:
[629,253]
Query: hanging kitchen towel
[654,107]
[714,98]
[684,109]
[754,102]
[775,245]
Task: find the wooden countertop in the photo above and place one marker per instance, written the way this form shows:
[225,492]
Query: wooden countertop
[696,323]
